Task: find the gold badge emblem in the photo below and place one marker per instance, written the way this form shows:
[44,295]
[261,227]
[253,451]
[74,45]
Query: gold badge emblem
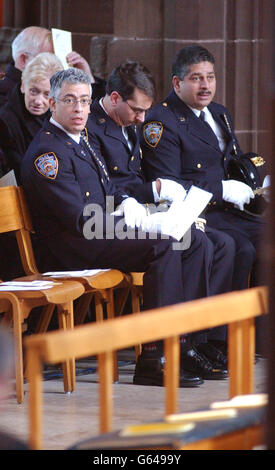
[152,132]
[258,161]
[47,165]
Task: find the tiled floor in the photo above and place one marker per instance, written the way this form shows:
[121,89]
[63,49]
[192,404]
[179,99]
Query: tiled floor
[67,419]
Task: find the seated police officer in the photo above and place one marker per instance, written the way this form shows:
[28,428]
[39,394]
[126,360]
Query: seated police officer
[190,137]
[113,131]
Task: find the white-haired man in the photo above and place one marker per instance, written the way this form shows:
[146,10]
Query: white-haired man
[26,45]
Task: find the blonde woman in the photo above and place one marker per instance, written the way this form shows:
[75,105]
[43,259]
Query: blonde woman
[27,107]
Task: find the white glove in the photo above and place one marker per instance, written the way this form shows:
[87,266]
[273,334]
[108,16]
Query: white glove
[170,223]
[170,190]
[134,212]
[266,181]
[237,192]
[266,184]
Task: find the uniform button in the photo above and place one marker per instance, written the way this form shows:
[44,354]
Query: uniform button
[214,203]
[164,104]
[198,165]
[132,158]
[224,158]
[87,193]
[102,180]
[115,168]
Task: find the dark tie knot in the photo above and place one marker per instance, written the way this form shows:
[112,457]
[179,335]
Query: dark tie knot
[202,116]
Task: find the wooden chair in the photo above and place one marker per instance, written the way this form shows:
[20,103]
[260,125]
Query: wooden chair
[237,309]
[17,306]
[100,285]
[15,217]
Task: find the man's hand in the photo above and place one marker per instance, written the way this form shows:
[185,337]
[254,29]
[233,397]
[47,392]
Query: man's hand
[169,190]
[76,60]
[134,212]
[237,193]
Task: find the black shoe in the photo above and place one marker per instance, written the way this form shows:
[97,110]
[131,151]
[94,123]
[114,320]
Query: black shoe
[219,344]
[222,347]
[216,357]
[196,363]
[150,371]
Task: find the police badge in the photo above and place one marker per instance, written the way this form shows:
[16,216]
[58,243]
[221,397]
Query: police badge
[47,165]
[152,132]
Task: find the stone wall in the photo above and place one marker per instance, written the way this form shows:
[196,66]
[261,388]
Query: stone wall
[106,32]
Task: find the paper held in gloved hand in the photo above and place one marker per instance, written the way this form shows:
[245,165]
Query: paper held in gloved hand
[180,216]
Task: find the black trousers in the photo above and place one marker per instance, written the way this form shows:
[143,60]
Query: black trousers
[171,275]
[247,233]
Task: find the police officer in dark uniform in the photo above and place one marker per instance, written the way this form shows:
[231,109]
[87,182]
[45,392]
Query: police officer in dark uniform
[189,137]
[64,180]
[192,138]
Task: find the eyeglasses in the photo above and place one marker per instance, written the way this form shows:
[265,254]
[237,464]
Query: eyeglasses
[137,111]
[73,101]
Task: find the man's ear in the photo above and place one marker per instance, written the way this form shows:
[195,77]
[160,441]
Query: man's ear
[22,61]
[115,98]
[176,82]
[52,103]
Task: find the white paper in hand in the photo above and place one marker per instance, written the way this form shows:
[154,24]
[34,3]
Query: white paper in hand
[180,216]
[62,45]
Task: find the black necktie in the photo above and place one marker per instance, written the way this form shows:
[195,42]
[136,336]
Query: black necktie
[202,118]
[99,164]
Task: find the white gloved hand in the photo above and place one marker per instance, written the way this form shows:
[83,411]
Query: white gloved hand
[170,190]
[266,181]
[134,212]
[237,192]
[266,184]
[170,223]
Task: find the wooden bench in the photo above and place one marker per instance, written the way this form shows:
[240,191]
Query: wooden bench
[237,309]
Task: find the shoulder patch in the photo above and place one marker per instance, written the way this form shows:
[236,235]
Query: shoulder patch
[152,132]
[47,165]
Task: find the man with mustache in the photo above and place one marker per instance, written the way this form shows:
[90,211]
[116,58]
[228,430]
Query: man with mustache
[190,138]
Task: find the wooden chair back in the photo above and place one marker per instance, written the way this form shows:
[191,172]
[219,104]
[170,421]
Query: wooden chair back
[15,217]
[237,309]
